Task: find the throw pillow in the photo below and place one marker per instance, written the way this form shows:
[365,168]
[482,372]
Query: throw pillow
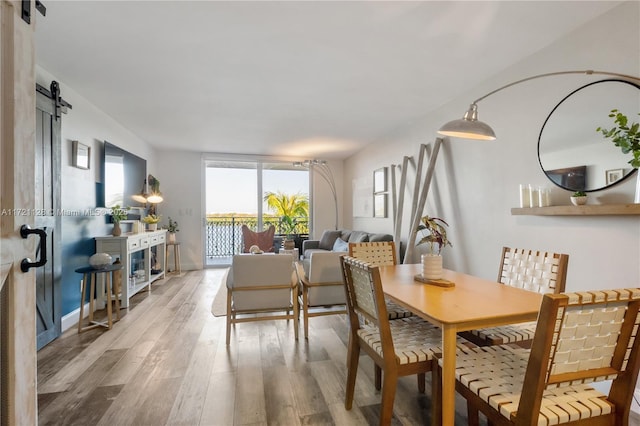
[358,237]
[380,237]
[328,239]
[340,245]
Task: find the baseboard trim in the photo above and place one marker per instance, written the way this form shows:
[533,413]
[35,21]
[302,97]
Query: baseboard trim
[73,317]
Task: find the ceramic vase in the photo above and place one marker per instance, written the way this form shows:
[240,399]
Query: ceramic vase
[172,237]
[100,260]
[579,201]
[116,229]
[432,266]
[152,226]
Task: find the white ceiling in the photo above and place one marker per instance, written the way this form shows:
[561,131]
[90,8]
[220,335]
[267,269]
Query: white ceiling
[314,79]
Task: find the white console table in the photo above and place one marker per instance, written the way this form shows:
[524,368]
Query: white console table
[135,252]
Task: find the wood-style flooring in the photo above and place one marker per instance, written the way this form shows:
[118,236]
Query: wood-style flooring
[166,363]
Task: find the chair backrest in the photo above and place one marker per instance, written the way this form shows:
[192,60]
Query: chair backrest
[261,280]
[263,239]
[324,268]
[379,253]
[582,338]
[539,271]
[365,300]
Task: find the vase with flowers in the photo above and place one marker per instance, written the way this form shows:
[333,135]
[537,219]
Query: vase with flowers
[434,234]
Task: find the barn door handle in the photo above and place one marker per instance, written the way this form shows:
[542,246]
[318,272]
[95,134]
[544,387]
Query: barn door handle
[27,263]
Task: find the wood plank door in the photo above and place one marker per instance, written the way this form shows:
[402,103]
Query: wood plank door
[47,218]
[18,401]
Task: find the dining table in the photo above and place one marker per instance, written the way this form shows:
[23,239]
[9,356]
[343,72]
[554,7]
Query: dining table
[469,303]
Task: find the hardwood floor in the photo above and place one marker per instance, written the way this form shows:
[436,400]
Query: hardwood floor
[166,363]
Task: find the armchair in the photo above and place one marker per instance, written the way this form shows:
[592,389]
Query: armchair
[265,239]
[261,284]
[321,286]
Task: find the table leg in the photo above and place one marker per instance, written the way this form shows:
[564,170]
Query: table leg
[82,297]
[449,337]
[108,286]
[92,295]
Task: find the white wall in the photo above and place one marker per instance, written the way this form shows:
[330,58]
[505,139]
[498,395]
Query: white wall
[476,183]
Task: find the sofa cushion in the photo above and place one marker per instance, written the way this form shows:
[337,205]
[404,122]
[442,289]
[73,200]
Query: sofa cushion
[328,239]
[358,237]
[345,234]
[340,245]
[380,237]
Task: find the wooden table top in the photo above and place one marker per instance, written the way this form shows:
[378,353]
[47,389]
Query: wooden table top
[472,303]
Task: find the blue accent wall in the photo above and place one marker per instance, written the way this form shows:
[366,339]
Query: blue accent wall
[81,222]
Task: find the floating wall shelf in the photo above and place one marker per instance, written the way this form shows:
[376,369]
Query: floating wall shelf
[585,210]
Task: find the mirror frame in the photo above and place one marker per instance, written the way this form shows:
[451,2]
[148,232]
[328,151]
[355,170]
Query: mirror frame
[625,177]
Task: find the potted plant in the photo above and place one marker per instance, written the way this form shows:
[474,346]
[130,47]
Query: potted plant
[172,228]
[436,238]
[288,227]
[579,198]
[117,214]
[627,137]
[152,221]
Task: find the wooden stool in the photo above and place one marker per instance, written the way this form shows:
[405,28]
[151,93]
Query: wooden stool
[176,257]
[90,275]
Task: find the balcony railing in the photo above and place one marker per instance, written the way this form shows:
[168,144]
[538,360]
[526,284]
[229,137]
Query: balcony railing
[224,233]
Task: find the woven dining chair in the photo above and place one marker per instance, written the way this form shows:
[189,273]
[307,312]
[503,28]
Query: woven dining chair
[400,347]
[383,253]
[539,271]
[581,338]
[380,253]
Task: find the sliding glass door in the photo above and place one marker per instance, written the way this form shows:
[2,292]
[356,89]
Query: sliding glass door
[253,193]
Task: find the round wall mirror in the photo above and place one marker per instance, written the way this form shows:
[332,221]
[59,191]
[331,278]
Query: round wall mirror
[571,152]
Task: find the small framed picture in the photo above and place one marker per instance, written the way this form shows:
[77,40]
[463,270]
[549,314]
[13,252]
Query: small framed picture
[380,180]
[380,205]
[614,175]
[81,155]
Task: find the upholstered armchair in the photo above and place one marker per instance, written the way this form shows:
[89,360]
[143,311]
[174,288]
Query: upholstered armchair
[261,285]
[321,286]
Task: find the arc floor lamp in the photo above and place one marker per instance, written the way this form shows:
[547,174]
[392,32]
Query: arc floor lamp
[469,127]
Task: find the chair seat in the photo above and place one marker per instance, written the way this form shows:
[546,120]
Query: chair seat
[396,311]
[496,375]
[513,333]
[414,339]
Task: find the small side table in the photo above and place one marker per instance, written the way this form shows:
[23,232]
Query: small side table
[176,257]
[90,275]
[293,252]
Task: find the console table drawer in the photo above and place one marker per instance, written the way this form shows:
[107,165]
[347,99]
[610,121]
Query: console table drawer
[110,247]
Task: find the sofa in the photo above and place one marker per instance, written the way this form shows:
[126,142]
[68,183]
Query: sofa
[338,241]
